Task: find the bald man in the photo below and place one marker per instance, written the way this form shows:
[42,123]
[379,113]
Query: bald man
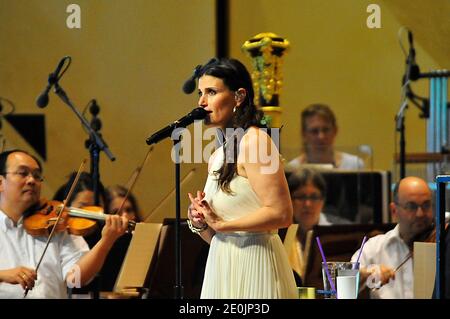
[386,268]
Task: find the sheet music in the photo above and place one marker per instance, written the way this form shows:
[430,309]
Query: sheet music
[424,269]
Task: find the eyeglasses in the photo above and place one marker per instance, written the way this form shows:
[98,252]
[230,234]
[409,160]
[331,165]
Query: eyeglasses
[24,173]
[317,130]
[413,207]
[303,198]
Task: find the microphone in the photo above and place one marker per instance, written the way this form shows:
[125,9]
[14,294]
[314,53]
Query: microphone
[189,85]
[53,78]
[413,71]
[198,113]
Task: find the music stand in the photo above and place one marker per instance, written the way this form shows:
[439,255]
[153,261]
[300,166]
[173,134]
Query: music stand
[140,255]
[194,254]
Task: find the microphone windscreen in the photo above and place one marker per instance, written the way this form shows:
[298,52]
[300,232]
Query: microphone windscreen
[199,113]
[42,100]
[189,86]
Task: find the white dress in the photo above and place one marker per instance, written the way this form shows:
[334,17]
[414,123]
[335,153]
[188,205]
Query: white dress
[243,264]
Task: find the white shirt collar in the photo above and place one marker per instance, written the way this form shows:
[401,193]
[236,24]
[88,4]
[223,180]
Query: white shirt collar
[394,236]
[6,222]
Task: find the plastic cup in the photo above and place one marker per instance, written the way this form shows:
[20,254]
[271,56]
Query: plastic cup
[347,280]
[332,269]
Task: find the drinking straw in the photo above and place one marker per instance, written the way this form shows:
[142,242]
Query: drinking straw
[360,251]
[326,265]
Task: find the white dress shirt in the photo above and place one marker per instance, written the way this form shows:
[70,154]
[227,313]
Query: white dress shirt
[18,248]
[389,250]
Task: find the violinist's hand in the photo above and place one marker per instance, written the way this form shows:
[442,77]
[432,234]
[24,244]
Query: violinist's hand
[115,226]
[377,275]
[386,274]
[20,275]
[202,208]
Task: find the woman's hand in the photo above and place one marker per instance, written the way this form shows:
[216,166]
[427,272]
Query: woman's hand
[197,219]
[203,214]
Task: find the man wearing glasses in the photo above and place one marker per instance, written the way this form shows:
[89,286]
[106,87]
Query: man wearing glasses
[67,259]
[386,260]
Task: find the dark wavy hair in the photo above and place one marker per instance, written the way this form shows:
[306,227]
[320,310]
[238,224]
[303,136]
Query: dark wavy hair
[235,76]
[114,191]
[304,176]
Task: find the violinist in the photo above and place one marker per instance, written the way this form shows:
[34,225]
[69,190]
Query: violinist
[67,260]
[84,196]
[386,260]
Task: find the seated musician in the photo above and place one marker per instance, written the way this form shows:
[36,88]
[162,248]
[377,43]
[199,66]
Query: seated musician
[386,260]
[67,261]
[114,196]
[308,190]
[319,130]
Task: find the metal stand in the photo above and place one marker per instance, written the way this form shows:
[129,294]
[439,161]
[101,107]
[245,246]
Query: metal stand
[178,288]
[98,140]
[401,128]
[97,144]
[94,150]
[441,181]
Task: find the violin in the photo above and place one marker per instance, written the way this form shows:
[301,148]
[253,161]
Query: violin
[426,236]
[77,221]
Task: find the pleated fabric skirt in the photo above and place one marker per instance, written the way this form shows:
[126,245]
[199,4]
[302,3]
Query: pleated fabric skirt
[248,266]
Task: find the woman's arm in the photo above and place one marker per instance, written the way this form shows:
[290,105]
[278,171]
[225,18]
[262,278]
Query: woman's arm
[259,161]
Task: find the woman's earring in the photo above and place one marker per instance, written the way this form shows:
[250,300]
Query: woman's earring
[234,109]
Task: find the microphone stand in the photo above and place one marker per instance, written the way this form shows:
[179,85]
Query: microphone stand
[97,140]
[96,145]
[94,151]
[176,138]
[400,127]
[178,288]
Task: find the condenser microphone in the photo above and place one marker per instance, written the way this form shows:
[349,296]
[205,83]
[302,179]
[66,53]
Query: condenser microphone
[42,100]
[189,85]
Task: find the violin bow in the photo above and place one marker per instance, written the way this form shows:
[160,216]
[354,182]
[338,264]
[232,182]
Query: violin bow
[183,180]
[403,262]
[133,179]
[66,200]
